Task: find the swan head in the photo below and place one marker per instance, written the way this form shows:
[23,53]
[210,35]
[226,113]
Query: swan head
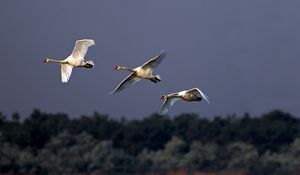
[117,67]
[163,97]
[47,60]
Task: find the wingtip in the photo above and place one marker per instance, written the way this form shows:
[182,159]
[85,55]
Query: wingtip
[64,80]
[114,92]
[162,54]
[87,39]
[163,111]
[206,99]
[92,42]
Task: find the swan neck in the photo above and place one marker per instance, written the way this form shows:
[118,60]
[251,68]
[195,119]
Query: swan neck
[55,61]
[126,68]
[173,96]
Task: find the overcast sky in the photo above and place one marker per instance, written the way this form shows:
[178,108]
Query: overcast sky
[244,54]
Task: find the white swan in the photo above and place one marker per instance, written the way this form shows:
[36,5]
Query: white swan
[144,71]
[76,59]
[193,94]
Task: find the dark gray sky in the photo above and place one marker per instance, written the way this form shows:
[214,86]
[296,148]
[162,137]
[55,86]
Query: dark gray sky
[243,54]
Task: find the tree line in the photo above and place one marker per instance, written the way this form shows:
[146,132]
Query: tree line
[45,143]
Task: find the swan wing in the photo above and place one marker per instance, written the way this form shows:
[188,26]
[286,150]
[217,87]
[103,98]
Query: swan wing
[129,80]
[167,104]
[66,71]
[154,62]
[198,91]
[81,47]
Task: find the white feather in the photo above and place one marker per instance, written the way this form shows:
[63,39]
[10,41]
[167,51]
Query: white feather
[66,71]
[167,104]
[81,48]
[129,80]
[203,95]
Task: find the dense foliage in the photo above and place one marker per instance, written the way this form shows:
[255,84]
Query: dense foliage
[56,144]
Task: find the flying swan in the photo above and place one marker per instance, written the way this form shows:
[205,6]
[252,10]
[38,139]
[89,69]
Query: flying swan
[190,95]
[76,59]
[144,71]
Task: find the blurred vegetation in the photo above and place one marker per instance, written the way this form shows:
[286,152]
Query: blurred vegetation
[58,144]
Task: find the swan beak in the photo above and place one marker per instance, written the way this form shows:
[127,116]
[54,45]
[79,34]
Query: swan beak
[162,97]
[116,67]
[45,60]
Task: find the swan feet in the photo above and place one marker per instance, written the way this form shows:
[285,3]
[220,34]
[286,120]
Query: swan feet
[88,65]
[153,80]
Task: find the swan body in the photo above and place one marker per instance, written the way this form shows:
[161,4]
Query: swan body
[144,71]
[190,95]
[76,59]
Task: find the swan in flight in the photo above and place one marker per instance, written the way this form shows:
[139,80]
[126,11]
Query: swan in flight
[190,95]
[144,71]
[76,59]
